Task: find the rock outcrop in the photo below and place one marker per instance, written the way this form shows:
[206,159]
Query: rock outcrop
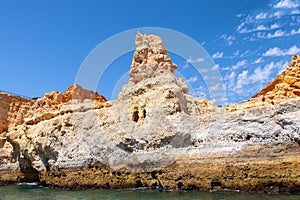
[156,136]
[14,109]
[72,93]
[285,87]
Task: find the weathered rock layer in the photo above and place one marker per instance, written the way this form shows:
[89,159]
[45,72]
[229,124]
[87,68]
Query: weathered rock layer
[155,135]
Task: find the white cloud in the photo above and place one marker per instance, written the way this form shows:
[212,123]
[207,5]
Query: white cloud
[286,4]
[293,50]
[263,35]
[197,60]
[192,79]
[273,52]
[261,28]
[261,16]
[282,52]
[230,76]
[236,53]
[242,80]
[185,66]
[215,87]
[278,33]
[239,64]
[201,92]
[274,26]
[295,32]
[229,39]
[259,60]
[263,75]
[295,21]
[225,68]
[277,15]
[260,75]
[282,67]
[247,20]
[295,12]
[215,67]
[245,54]
[218,55]
[230,80]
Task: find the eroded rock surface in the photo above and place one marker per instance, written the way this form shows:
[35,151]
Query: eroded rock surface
[14,110]
[157,136]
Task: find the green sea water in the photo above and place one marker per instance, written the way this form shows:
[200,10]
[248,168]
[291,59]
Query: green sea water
[34,192]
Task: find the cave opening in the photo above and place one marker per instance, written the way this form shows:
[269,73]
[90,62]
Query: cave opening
[135,116]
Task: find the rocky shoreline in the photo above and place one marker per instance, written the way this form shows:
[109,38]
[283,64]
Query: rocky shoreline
[155,135]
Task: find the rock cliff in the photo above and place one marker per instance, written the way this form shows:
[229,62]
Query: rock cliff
[15,109]
[154,135]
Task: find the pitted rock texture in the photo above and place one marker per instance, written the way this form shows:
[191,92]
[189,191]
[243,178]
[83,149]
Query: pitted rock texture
[157,136]
[73,92]
[284,87]
[151,59]
[15,110]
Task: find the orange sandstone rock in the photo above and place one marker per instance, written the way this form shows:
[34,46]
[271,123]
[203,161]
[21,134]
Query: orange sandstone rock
[14,109]
[74,92]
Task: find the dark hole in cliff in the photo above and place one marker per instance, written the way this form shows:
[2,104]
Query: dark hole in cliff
[154,185]
[30,174]
[67,124]
[154,175]
[144,114]
[128,145]
[179,185]
[215,183]
[138,183]
[135,116]
[25,164]
[178,109]
[248,137]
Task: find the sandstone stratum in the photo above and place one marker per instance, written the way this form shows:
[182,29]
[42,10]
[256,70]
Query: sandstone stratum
[155,135]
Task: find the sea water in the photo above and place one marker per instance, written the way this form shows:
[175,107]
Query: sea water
[35,192]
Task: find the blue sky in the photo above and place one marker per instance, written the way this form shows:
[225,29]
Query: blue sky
[43,43]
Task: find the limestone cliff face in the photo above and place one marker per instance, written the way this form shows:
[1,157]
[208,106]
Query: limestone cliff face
[14,110]
[153,94]
[284,87]
[156,136]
